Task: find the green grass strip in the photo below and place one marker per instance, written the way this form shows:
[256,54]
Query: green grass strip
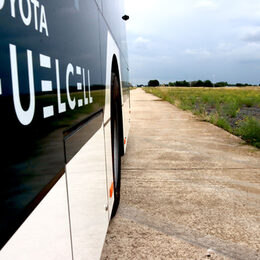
[237,110]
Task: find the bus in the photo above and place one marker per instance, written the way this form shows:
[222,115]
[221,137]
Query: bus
[65,111]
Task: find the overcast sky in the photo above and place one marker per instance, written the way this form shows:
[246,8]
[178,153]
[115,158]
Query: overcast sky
[173,40]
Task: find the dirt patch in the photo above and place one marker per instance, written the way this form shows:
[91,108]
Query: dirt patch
[243,113]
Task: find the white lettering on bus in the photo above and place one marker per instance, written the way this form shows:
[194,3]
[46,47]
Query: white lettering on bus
[61,106]
[0,87]
[12,2]
[35,5]
[84,88]
[45,62]
[70,70]
[24,116]
[89,94]
[28,14]
[43,21]
[26,20]
[2,3]
[79,85]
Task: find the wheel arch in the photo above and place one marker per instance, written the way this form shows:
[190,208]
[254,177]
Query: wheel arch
[115,70]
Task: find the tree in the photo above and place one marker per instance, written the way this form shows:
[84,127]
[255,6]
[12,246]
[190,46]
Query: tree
[241,85]
[183,83]
[178,84]
[208,84]
[221,84]
[198,83]
[153,83]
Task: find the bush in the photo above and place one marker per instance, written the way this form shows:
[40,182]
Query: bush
[208,84]
[249,130]
[243,85]
[153,83]
[221,84]
[182,83]
[198,83]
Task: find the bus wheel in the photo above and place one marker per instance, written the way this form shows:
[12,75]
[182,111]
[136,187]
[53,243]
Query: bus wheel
[115,137]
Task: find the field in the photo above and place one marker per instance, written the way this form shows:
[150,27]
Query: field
[236,110]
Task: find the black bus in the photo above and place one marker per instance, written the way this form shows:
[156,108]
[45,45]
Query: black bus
[64,105]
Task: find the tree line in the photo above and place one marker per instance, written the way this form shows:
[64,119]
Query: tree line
[197,83]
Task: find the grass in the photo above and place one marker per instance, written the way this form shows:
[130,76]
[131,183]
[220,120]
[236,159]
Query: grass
[249,130]
[234,109]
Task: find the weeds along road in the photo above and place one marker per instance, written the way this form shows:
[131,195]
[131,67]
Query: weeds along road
[189,189]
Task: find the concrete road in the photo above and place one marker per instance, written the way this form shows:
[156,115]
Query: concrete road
[190,190]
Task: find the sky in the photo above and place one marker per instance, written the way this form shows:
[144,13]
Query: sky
[173,40]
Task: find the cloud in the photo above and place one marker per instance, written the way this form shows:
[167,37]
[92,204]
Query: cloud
[206,4]
[141,40]
[141,43]
[252,36]
[249,52]
[200,53]
[225,46]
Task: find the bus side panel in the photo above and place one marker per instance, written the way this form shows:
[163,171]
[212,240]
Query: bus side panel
[106,66]
[87,192]
[45,234]
[51,81]
[58,67]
